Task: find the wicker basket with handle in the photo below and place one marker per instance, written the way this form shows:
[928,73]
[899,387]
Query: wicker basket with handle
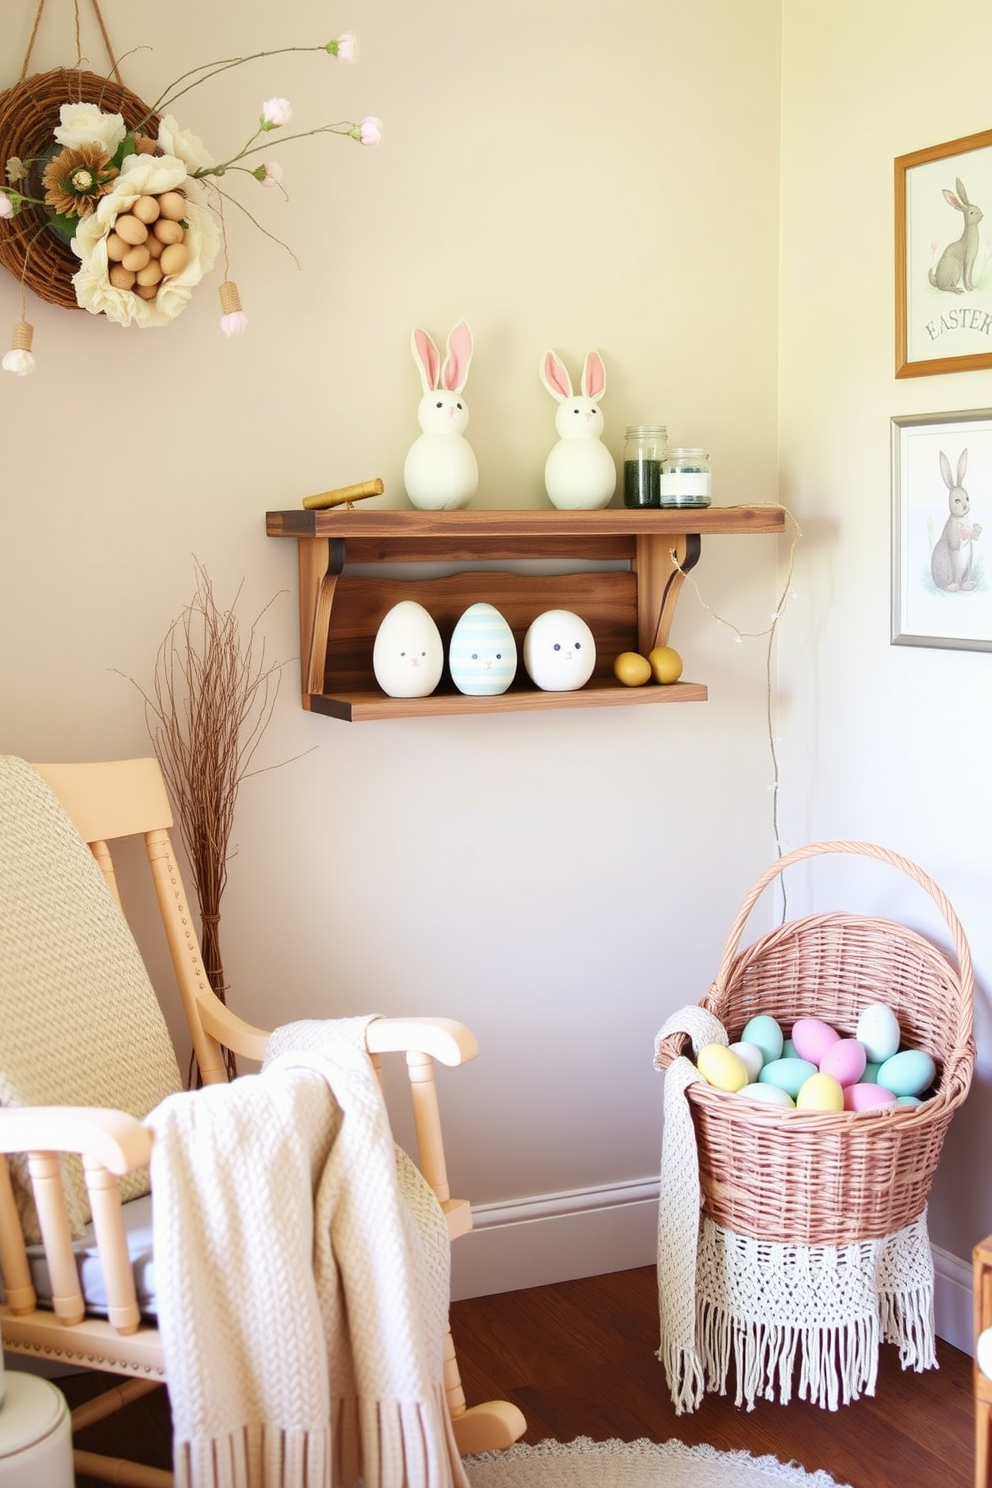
[818,1178]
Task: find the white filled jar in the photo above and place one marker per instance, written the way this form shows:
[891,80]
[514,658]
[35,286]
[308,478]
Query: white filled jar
[685,478]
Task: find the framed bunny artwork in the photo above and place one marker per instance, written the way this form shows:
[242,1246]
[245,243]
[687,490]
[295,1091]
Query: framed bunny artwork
[941,528]
[943,205]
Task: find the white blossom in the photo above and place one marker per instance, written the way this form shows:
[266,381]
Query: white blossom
[85,124]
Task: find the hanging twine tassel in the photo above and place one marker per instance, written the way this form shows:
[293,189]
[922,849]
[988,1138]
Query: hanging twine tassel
[234,320]
[19,359]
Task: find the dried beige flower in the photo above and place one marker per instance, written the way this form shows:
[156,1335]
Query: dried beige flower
[77,178]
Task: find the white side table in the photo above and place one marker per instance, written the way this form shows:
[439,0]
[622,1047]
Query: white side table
[35,1434]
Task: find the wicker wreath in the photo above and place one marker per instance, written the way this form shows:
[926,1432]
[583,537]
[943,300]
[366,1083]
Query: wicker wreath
[29,116]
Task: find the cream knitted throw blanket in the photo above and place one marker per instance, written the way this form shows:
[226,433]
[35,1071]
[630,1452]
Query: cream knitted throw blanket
[771,1308]
[303,1278]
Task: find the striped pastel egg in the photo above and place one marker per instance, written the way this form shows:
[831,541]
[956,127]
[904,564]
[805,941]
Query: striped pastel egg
[482,655]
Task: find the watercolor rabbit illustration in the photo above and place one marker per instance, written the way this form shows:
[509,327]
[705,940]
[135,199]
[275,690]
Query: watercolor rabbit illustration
[956,264]
[579,471]
[951,562]
[440,472]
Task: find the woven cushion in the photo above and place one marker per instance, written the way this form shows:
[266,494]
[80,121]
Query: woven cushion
[89,1266]
[81,1023]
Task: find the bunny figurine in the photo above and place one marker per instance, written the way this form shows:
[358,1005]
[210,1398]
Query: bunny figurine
[579,471]
[440,472]
[952,556]
[957,262]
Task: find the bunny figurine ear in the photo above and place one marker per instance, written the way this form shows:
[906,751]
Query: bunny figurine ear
[427,358]
[458,355]
[593,376]
[555,376]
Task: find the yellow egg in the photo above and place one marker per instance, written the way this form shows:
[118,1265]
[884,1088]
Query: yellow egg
[721,1067]
[120,277]
[632,669]
[820,1093]
[666,664]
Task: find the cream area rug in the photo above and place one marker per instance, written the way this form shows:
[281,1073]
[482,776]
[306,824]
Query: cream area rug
[640,1464]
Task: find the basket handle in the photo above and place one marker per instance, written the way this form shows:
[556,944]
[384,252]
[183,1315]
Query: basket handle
[866,850]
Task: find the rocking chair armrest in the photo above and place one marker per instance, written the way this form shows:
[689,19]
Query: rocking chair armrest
[111,1138]
[443,1039]
[230,1030]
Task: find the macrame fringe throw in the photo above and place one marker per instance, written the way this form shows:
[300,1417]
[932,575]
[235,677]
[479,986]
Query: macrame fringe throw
[764,1309]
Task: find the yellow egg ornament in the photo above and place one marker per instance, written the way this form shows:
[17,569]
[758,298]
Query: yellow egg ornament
[632,669]
[820,1093]
[721,1067]
[666,664]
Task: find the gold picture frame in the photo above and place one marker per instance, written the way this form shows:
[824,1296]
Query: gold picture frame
[944,260]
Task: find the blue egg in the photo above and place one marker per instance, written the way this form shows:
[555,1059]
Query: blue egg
[907,1073]
[788,1074]
[482,654]
[766,1033]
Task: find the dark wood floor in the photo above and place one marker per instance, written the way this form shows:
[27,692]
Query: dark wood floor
[579,1360]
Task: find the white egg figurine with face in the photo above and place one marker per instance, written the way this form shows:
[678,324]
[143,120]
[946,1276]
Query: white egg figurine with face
[408,655]
[559,651]
[482,655]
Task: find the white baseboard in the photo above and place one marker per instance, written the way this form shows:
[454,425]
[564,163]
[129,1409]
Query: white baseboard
[556,1237]
[953,1300]
[589,1232]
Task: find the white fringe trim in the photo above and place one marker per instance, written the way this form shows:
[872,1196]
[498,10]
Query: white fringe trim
[765,1309]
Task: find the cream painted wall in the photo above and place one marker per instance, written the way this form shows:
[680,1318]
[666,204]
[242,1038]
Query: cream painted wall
[562,883]
[562,174]
[883,742]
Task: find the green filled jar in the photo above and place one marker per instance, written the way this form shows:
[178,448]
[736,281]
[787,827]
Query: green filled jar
[685,478]
[644,449]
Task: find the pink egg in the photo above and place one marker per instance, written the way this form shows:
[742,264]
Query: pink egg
[811,1038]
[845,1060]
[867,1097]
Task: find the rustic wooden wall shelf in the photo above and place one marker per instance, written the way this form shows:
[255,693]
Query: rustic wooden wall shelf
[628,607]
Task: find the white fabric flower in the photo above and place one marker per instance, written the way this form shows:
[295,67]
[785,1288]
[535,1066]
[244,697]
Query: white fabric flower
[85,124]
[142,175]
[183,144]
[18,362]
[276,111]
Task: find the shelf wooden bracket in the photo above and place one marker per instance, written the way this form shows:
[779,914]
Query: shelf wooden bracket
[321,560]
[661,564]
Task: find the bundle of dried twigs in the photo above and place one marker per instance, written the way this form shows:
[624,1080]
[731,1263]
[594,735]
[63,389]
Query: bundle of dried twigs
[213,697]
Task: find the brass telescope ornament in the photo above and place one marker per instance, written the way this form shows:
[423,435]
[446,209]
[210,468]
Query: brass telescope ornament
[344,495]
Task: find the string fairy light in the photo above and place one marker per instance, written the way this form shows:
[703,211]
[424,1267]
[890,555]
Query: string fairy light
[769,631]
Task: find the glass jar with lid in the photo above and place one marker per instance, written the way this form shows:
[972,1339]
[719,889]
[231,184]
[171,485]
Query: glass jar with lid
[644,448]
[685,478]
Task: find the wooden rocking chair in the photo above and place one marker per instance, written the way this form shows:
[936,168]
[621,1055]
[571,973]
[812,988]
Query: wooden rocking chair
[77,1088]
